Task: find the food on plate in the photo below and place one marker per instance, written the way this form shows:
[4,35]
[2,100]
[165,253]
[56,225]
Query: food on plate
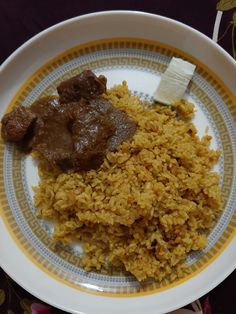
[174,81]
[74,131]
[85,85]
[16,124]
[152,198]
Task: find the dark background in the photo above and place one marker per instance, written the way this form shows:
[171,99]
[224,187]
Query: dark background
[22,19]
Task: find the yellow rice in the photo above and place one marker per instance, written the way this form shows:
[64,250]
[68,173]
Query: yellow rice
[151,202]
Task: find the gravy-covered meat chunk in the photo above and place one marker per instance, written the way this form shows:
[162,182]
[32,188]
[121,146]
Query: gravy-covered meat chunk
[52,137]
[90,133]
[86,85]
[123,127]
[16,123]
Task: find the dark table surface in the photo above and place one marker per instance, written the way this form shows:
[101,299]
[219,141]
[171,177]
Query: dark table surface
[22,19]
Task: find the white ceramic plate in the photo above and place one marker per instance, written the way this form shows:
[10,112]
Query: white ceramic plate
[136,47]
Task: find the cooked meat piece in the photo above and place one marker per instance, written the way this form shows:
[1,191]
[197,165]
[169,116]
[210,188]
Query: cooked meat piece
[52,137]
[86,85]
[16,123]
[91,131]
[124,128]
